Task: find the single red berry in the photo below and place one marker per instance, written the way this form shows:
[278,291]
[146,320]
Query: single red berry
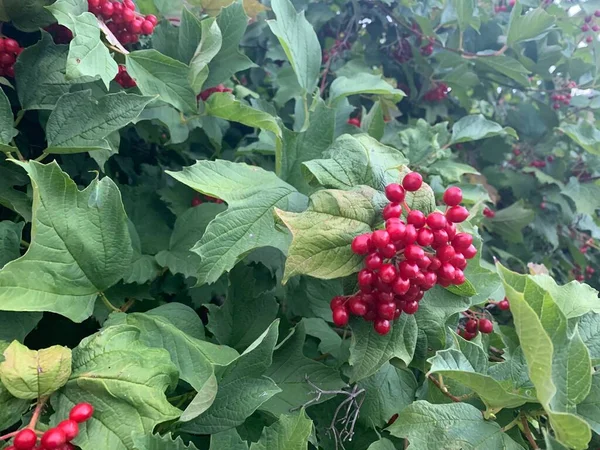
[337,302]
[453,196]
[436,220]
[589,40]
[459,277]
[387,273]
[430,280]
[11,46]
[129,4]
[128,15]
[81,412]
[462,241]
[385,297]
[12,447]
[53,439]
[25,439]
[410,307]
[147,27]
[107,10]
[357,306]
[67,446]
[412,181]
[410,235]
[366,277]
[416,218]
[380,238]
[486,326]
[504,305]
[457,214]
[392,210]
[7,59]
[382,326]
[196,201]
[401,285]
[360,244]
[389,251]
[445,253]
[435,264]
[471,326]
[451,230]
[470,252]
[395,228]
[459,261]
[440,237]
[413,252]
[373,261]
[152,19]
[70,428]
[446,271]
[135,26]
[425,237]
[395,193]
[386,310]
[468,336]
[355,121]
[408,269]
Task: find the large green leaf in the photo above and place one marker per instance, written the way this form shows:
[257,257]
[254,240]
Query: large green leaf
[324,252]
[453,425]
[7,130]
[363,83]
[164,77]
[242,388]
[584,134]
[190,33]
[80,246]
[586,196]
[587,297]
[299,41]
[291,369]
[369,351]
[11,408]
[290,432]
[12,178]
[10,241]
[79,123]
[589,328]
[505,65]
[589,408]
[209,46]
[27,15]
[475,127]
[17,325]
[251,194]
[229,440]
[509,222]
[524,27]
[149,441]
[125,381]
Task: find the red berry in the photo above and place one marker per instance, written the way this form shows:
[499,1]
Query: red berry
[459,261]
[445,253]
[129,4]
[53,439]
[380,238]
[401,285]
[385,297]
[412,181]
[366,277]
[340,317]
[373,261]
[107,10]
[486,326]
[457,214]
[337,302]
[11,46]
[413,252]
[409,269]
[395,193]
[395,228]
[386,310]
[147,27]
[81,412]
[410,307]
[360,244]
[357,306]
[25,439]
[7,59]
[12,447]
[440,237]
[451,230]
[425,237]
[196,201]
[355,121]
[382,326]
[462,241]
[589,40]
[430,280]
[446,271]
[392,210]
[459,277]
[70,428]
[128,15]
[416,218]
[435,264]
[471,326]
[389,251]
[67,446]
[387,273]
[504,305]
[135,26]
[410,235]
[470,252]
[152,19]
[468,336]
[453,196]
[436,220]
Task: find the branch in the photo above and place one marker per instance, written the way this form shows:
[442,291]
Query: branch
[527,433]
[440,385]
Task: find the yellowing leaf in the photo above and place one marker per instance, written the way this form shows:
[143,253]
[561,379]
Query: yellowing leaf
[254,7]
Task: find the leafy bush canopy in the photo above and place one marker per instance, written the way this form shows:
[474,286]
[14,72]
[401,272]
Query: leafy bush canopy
[361,224]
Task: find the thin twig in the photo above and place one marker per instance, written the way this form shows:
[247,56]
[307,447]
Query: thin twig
[108,304]
[37,412]
[440,385]
[127,305]
[527,433]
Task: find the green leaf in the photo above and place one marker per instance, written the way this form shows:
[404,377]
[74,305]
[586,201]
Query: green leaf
[453,425]
[30,374]
[363,83]
[125,381]
[589,408]
[7,130]
[245,314]
[373,123]
[12,176]
[188,230]
[584,134]
[476,127]
[40,74]
[143,268]
[586,196]
[388,392]
[229,440]
[190,33]
[369,351]
[505,65]
[251,194]
[232,21]
[290,432]
[164,77]
[587,297]
[509,222]
[525,27]
[16,325]
[72,257]
[79,123]
[465,14]
[157,442]
[324,252]
[208,48]
[10,241]
[299,41]
[291,369]
[382,444]
[589,328]
[11,408]
[88,56]
[242,388]
[27,15]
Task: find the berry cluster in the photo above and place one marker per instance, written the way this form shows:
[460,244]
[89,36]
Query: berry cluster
[503,7]
[355,121]
[427,49]
[403,52]
[503,305]
[562,95]
[589,28]
[208,92]
[124,79]
[474,325]
[122,19]
[580,275]
[9,50]
[60,33]
[406,258]
[199,199]
[437,93]
[57,438]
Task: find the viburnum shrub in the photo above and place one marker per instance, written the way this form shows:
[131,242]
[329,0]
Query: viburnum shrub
[276,224]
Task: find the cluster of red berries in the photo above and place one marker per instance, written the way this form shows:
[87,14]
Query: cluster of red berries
[406,258]
[589,27]
[437,94]
[9,50]
[580,275]
[403,51]
[210,91]
[503,7]
[562,95]
[474,325]
[57,438]
[538,163]
[60,33]
[487,212]
[124,79]
[122,19]
[427,49]
[355,121]
[199,199]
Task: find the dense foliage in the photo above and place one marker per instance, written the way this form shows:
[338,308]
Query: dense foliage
[359,224]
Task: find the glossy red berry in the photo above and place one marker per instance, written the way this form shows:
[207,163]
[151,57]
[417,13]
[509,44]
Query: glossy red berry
[453,196]
[355,121]
[425,237]
[462,241]
[360,244]
[471,326]
[459,277]
[386,310]
[487,212]
[468,336]
[470,252]
[81,412]
[53,439]
[410,307]
[25,439]
[70,428]
[392,210]
[380,238]
[412,181]
[416,218]
[504,305]
[387,273]
[147,27]
[436,220]
[445,253]
[395,193]
[337,302]
[440,237]
[413,252]
[373,261]
[357,306]
[340,317]
[382,326]
[107,10]
[457,214]
[129,4]
[11,46]
[410,234]
[486,326]
[408,269]
[152,19]
[389,251]
[446,271]
[395,228]
[401,285]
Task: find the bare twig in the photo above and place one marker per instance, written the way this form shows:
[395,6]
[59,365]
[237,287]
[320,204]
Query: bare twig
[527,433]
[440,385]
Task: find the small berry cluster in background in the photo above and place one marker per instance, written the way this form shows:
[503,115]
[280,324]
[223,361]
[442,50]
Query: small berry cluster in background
[590,28]
[403,51]
[208,92]
[60,34]
[503,7]
[58,438]
[562,95]
[437,93]
[124,79]
[406,258]
[122,20]
[9,50]
[580,275]
[201,198]
[474,325]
